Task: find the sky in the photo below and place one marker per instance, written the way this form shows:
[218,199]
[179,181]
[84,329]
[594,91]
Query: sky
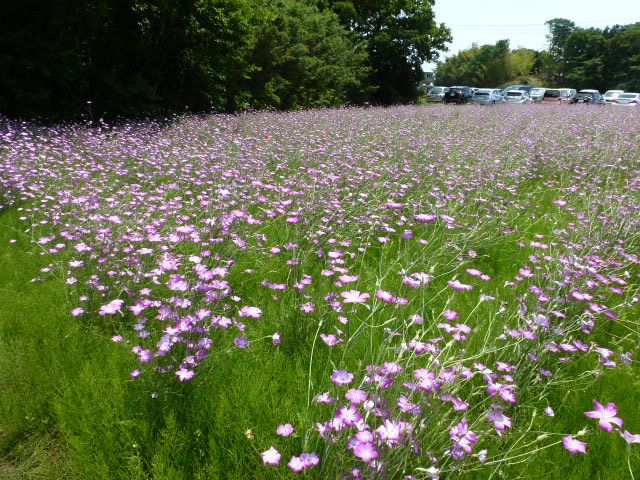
[522,22]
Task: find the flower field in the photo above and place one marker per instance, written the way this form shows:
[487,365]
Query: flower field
[400,293]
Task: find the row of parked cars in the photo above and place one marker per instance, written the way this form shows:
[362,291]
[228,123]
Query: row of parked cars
[520,94]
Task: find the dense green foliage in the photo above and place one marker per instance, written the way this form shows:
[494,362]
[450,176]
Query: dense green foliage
[303,57]
[144,57]
[124,57]
[479,65]
[576,57]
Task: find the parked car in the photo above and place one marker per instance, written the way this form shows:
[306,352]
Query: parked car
[458,94]
[567,94]
[552,95]
[536,94]
[517,96]
[436,94]
[487,96]
[627,100]
[592,97]
[611,95]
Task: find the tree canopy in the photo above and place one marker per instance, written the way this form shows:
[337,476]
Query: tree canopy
[399,36]
[486,65]
[593,58]
[147,57]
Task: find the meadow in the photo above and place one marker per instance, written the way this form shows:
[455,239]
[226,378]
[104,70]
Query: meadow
[382,293]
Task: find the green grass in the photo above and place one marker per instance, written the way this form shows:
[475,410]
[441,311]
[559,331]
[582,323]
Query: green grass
[68,411]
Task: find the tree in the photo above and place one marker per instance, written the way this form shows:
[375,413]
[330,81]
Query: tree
[304,58]
[584,53]
[127,57]
[553,63]
[194,51]
[559,31]
[592,58]
[452,70]
[112,58]
[623,57]
[41,56]
[523,61]
[486,65]
[493,64]
[399,36]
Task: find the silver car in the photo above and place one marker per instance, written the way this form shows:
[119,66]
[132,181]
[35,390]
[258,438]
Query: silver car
[627,100]
[610,96]
[436,94]
[517,96]
[487,96]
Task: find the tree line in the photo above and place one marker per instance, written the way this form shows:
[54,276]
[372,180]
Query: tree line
[577,57]
[147,57]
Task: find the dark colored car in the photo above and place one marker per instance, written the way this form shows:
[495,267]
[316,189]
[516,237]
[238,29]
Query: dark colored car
[590,97]
[458,95]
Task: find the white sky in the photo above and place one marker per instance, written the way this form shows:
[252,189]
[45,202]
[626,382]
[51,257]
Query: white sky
[522,22]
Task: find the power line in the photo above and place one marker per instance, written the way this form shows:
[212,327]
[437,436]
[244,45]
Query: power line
[518,25]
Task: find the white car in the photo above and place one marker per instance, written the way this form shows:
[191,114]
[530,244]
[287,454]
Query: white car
[536,94]
[611,95]
[487,96]
[627,100]
[516,96]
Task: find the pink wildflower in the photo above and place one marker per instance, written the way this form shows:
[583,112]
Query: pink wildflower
[354,296]
[285,429]
[457,285]
[342,377]
[251,312]
[365,452]
[573,445]
[271,457]
[606,415]
[111,307]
